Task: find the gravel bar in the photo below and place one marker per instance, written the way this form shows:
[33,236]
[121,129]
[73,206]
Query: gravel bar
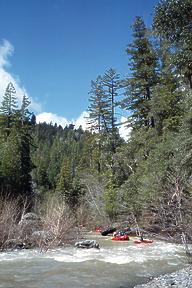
[178,279]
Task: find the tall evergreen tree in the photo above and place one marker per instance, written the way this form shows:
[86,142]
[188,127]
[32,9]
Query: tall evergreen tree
[68,186]
[143,65]
[24,132]
[24,112]
[15,164]
[99,116]
[111,84]
[8,108]
[172,21]
[99,107]
[167,95]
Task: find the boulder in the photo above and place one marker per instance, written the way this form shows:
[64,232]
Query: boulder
[28,224]
[30,216]
[13,244]
[108,230]
[41,236]
[87,244]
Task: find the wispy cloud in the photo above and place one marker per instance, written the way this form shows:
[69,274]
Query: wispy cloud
[6,50]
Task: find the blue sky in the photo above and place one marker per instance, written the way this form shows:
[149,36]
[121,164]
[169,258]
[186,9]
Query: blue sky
[56,47]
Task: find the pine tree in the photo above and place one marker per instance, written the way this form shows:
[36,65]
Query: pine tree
[111,84]
[68,185]
[111,200]
[99,116]
[99,107]
[8,108]
[172,21]
[143,65]
[167,95]
[16,164]
[24,112]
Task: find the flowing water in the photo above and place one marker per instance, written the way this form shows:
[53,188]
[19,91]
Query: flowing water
[115,265]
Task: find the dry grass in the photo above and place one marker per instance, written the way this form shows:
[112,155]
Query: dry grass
[59,223]
[9,213]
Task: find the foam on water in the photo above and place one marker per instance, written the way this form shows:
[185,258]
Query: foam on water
[74,255]
[19,255]
[121,253]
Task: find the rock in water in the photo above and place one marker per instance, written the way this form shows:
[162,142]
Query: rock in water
[87,244]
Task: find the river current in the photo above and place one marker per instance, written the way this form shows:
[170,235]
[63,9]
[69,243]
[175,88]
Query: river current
[116,265]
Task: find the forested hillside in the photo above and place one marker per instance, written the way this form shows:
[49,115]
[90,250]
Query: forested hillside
[97,174]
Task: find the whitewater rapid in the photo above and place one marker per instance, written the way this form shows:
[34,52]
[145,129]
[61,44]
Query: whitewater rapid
[114,265]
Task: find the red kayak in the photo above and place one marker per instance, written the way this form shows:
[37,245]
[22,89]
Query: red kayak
[120,238]
[146,241]
[98,229]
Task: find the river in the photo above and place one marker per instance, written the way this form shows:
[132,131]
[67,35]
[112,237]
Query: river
[115,265]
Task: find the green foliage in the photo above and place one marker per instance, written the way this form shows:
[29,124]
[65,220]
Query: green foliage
[99,114]
[172,21]
[102,118]
[69,186]
[8,109]
[157,151]
[111,200]
[9,102]
[24,112]
[111,84]
[15,144]
[167,94]
[143,65]
[173,18]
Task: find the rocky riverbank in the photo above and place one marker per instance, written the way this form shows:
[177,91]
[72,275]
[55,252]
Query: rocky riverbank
[33,231]
[178,279]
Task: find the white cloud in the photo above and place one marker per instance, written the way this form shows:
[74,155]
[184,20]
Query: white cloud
[52,118]
[6,50]
[124,131]
[49,117]
[81,120]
